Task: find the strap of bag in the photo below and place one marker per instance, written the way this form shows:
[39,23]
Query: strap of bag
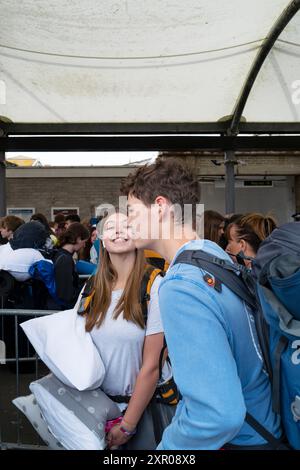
[157,421]
[280,347]
[238,280]
[224,271]
[262,431]
[161,357]
[86,296]
[147,282]
[149,277]
[120,398]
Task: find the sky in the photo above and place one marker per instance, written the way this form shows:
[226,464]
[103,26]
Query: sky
[85,158]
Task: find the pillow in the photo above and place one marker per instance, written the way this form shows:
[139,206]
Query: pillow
[18,262]
[28,405]
[76,419]
[66,348]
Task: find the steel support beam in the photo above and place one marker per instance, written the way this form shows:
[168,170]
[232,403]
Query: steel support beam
[2,184]
[288,13]
[147,143]
[230,162]
[11,128]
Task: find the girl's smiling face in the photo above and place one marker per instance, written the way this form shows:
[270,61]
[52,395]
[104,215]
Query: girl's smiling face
[116,234]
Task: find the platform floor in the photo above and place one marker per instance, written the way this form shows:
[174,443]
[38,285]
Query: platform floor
[9,415]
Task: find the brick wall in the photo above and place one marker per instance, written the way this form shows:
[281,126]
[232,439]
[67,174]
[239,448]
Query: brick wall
[44,193]
[87,192]
[258,163]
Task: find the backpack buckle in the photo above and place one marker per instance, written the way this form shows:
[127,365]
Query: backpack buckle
[219,261]
[295,407]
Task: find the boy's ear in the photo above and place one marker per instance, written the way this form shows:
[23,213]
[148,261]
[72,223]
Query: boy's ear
[161,203]
[161,200]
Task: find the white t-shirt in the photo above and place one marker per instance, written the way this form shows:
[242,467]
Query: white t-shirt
[120,345]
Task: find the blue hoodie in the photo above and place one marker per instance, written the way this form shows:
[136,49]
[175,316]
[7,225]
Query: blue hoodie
[216,360]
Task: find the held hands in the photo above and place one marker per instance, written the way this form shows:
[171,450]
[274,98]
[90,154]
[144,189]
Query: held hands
[116,438]
[119,434]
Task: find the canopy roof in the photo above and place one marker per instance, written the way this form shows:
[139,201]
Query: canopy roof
[129,61]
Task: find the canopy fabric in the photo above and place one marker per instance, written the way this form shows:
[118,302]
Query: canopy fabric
[143,61]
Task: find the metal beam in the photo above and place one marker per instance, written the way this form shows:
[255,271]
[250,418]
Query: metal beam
[230,163]
[147,143]
[285,17]
[2,184]
[10,128]
[145,129]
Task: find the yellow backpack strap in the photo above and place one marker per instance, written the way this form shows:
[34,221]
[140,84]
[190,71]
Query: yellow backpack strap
[154,259]
[86,296]
[153,275]
[149,277]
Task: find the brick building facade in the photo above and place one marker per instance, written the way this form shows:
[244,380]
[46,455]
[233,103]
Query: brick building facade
[46,188]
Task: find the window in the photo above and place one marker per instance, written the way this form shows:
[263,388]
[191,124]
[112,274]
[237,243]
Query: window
[23,212]
[63,210]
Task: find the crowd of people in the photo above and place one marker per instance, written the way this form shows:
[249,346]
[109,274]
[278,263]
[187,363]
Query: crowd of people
[216,375]
[74,247]
[70,245]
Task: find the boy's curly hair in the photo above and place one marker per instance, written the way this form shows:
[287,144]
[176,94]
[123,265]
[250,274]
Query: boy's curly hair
[166,177]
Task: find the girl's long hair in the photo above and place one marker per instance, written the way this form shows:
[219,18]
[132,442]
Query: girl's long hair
[104,282]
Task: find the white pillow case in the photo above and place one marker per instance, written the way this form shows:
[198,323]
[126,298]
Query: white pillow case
[66,348]
[18,262]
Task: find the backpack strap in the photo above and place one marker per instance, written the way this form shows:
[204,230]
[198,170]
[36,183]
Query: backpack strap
[225,272]
[86,296]
[280,347]
[161,357]
[149,277]
[276,444]
[240,281]
[158,425]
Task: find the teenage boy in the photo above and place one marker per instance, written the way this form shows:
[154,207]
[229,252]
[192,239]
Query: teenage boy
[8,225]
[211,335]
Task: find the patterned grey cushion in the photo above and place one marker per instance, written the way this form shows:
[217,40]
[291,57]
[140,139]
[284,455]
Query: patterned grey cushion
[76,418]
[29,406]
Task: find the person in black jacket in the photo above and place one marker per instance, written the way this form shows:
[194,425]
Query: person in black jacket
[66,277]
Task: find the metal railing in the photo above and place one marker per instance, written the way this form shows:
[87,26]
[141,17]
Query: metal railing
[5,422]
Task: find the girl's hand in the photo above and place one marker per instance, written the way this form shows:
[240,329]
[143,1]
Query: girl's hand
[116,437]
